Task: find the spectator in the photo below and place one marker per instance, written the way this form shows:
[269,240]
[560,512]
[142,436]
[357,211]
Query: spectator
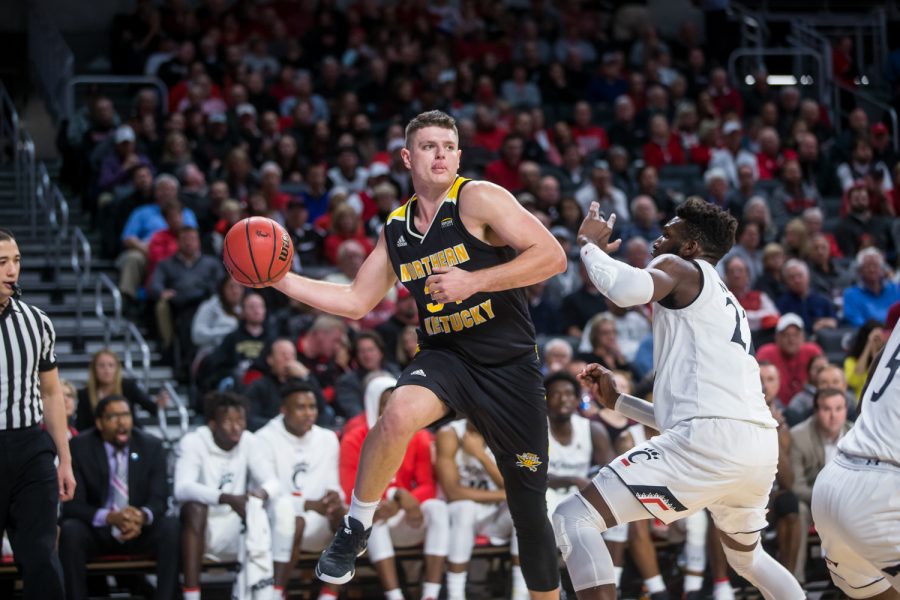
[716,188]
[608,85]
[368,357]
[860,228]
[827,276]
[580,306]
[270,186]
[412,514]
[219,478]
[308,241]
[590,138]
[814,445]
[406,314]
[821,374]
[866,346]
[783,508]
[142,223]
[663,148]
[217,316]
[120,505]
[345,226]
[320,350]
[117,166]
[770,280]
[726,99]
[862,165]
[816,172]
[570,215]
[790,353]
[105,379]
[557,355]
[281,369]
[542,309]
[70,397]
[164,243]
[306,459]
[229,363]
[625,131]
[814,221]
[519,92]
[732,154]
[601,190]
[604,345]
[882,149]
[793,195]
[407,346]
[816,310]
[644,220]
[505,170]
[762,314]
[747,247]
[746,189]
[874,293]
[771,157]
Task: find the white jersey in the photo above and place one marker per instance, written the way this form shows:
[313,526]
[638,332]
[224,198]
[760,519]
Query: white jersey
[874,435]
[702,358]
[574,459]
[203,471]
[472,473]
[307,467]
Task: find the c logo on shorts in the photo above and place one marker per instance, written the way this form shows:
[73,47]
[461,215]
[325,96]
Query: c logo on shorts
[528,460]
[640,456]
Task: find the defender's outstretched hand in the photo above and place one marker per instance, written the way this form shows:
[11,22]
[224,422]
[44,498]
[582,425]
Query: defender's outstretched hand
[597,230]
[602,384]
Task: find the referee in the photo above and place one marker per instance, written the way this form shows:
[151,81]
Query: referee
[30,485]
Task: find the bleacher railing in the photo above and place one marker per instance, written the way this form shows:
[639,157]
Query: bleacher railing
[112,324]
[81,266]
[134,341]
[9,123]
[183,416]
[874,107]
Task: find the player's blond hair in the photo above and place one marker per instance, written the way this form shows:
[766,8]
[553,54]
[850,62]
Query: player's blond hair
[431,118]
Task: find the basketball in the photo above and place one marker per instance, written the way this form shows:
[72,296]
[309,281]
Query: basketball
[257,252]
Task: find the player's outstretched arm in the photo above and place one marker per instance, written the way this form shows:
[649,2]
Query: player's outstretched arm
[494,210]
[353,300]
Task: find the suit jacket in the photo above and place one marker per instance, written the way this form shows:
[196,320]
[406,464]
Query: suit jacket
[808,456]
[147,485]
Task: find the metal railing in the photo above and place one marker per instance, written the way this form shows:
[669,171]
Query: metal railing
[26,177]
[820,80]
[112,325]
[133,337]
[81,266]
[869,103]
[183,416]
[9,123]
[53,63]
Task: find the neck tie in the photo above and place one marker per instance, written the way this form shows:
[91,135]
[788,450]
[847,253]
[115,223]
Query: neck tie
[119,486]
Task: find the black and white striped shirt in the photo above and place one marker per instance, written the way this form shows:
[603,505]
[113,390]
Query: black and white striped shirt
[27,348]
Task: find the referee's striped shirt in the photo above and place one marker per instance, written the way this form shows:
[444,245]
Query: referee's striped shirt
[27,348]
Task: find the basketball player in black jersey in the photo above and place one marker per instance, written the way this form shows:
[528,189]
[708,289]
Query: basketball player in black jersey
[464,249]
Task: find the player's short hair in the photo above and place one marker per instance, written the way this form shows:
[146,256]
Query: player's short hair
[827,393]
[431,118]
[216,402]
[100,409]
[6,236]
[562,375]
[708,224]
[295,386]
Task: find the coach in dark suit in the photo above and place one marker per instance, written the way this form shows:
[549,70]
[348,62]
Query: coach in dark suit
[120,501]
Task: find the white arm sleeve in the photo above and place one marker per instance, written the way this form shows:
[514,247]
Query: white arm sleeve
[637,409]
[618,281]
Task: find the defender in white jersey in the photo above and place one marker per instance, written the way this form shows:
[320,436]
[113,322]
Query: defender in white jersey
[305,458]
[473,487]
[219,466]
[856,497]
[718,446]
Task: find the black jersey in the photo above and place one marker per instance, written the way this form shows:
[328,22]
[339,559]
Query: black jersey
[489,328]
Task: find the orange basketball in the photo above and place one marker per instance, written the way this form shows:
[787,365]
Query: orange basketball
[257,252]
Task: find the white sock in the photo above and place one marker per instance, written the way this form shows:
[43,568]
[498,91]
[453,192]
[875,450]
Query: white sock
[431,590]
[693,583]
[618,573]
[456,585]
[519,587]
[191,594]
[364,512]
[655,584]
[394,594]
[327,595]
[722,590]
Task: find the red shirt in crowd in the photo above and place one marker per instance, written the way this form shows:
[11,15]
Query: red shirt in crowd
[501,173]
[590,139]
[770,166]
[334,240]
[792,369]
[659,156]
[727,100]
[162,245]
[491,139]
[415,474]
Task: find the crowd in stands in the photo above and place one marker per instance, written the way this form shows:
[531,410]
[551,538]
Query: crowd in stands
[296,111]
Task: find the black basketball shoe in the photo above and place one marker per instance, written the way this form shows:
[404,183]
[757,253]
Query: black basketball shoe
[337,564]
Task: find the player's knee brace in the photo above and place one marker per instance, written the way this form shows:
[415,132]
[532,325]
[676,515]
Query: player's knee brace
[570,517]
[617,534]
[579,535]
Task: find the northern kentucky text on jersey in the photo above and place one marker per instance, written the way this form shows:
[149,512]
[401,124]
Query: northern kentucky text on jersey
[448,257]
[464,319]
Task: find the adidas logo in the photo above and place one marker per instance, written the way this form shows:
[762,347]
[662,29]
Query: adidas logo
[401,242]
[419,372]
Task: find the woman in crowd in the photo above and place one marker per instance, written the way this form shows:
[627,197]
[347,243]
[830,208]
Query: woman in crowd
[867,343]
[105,379]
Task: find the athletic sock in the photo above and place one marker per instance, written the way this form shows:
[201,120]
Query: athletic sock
[431,590]
[722,590]
[327,595]
[394,594]
[618,574]
[655,584]
[364,512]
[456,585]
[279,591]
[693,583]
[191,593]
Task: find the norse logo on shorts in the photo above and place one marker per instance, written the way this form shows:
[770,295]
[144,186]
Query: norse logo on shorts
[640,456]
[528,460]
[658,495]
